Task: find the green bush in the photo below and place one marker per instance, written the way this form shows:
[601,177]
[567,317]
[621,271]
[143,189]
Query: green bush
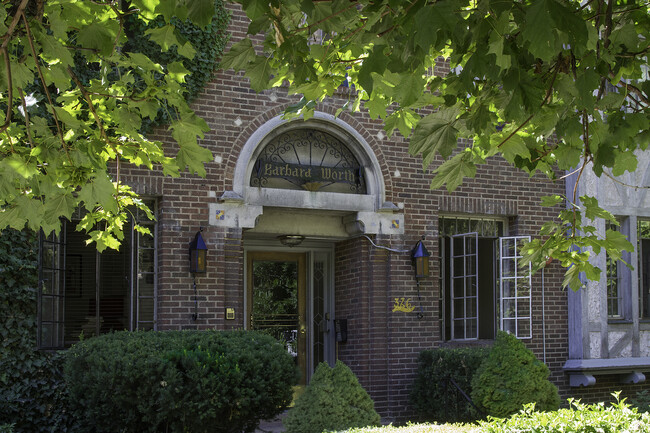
[6,428]
[578,418]
[333,400]
[32,393]
[510,377]
[179,381]
[433,397]
[642,401]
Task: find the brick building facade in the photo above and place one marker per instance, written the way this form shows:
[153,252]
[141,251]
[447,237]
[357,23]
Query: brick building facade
[354,261]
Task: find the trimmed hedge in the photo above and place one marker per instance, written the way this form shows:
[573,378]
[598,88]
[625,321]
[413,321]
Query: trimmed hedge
[177,381]
[333,401]
[601,418]
[433,397]
[510,377]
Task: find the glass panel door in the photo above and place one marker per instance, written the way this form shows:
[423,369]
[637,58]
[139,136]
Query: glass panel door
[276,300]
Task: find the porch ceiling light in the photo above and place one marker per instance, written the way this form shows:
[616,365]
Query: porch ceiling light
[198,254]
[291,240]
[420,257]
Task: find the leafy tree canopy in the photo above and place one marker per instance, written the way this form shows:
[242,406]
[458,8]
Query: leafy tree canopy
[548,85]
[64,135]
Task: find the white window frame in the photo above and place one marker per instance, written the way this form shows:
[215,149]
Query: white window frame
[467,280]
[513,277]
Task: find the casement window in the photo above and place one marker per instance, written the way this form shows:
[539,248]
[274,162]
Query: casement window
[83,293]
[643,254]
[613,283]
[482,285]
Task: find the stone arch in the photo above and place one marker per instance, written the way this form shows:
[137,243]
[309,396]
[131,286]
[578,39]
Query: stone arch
[324,122]
[246,203]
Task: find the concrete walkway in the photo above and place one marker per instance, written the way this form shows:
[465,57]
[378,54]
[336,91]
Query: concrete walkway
[271,426]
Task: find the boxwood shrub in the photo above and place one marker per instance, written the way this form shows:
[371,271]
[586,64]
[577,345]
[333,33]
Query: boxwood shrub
[334,400]
[433,396]
[178,381]
[510,377]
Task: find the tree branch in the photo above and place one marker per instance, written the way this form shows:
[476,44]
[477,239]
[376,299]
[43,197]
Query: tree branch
[10,90]
[623,183]
[12,27]
[91,106]
[30,39]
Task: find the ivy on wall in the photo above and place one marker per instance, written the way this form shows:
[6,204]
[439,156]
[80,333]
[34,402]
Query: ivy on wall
[209,44]
[31,387]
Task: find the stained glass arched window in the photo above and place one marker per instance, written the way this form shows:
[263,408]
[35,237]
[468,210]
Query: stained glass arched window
[311,160]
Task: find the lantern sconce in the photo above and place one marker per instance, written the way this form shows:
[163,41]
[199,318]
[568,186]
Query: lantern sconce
[420,257]
[198,253]
[198,265]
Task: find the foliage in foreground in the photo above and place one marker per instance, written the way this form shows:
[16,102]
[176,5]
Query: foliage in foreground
[518,74]
[418,428]
[62,138]
[149,382]
[617,417]
[433,397]
[510,377]
[333,400]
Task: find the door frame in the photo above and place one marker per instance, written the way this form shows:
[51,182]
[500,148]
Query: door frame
[310,249]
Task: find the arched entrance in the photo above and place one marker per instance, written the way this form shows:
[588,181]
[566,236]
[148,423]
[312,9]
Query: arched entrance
[317,182]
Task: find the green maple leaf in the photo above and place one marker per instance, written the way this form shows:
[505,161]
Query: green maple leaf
[200,11]
[552,200]
[57,206]
[376,62]
[593,210]
[452,171]
[409,89]
[193,156]
[514,147]
[188,127]
[240,55]
[255,8]
[163,36]
[129,122]
[98,36]
[539,30]
[615,243]
[435,133]
[99,189]
[53,51]
[376,107]
[259,73]
[625,161]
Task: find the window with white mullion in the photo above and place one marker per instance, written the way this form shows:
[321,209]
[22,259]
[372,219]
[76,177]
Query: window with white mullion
[515,285]
[464,286]
[146,273]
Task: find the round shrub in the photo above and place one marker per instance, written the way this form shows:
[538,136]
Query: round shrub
[510,377]
[176,381]
[434,397]
[333,401]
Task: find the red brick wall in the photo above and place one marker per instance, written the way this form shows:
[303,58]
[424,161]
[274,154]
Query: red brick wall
[383,345]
